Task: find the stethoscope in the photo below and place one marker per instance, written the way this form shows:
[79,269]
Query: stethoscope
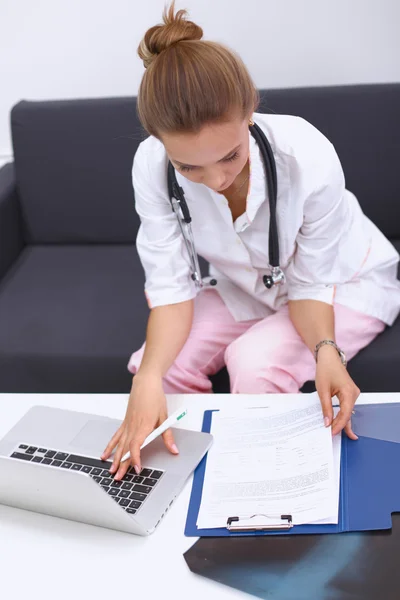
[181,210]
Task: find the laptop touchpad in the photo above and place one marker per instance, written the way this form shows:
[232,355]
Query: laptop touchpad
[95,435]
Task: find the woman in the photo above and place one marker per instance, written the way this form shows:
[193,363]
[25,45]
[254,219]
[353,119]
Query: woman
[196,101]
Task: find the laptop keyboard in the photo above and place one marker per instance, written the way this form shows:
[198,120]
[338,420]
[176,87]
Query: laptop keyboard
[130,492]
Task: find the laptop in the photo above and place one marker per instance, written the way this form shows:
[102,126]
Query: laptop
[49,463]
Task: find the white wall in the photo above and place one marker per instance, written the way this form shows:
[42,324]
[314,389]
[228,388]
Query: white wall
[87,48]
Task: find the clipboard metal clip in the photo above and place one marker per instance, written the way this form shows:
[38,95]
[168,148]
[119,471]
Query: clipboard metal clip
[233,523]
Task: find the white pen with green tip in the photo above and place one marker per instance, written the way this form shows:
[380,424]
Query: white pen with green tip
[174,418]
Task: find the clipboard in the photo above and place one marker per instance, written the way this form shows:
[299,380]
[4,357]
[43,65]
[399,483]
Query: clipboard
[259,522]
[369,482]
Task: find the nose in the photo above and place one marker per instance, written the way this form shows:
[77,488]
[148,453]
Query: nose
[216,180]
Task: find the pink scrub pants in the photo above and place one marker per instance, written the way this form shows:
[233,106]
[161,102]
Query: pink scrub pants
[262,356]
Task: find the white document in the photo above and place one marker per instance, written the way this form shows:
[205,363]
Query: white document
[270,462]
[337,454]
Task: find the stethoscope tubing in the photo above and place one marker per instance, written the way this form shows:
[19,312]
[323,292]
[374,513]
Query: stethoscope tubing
[181,210]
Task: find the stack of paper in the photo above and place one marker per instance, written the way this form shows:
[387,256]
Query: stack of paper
[269,462]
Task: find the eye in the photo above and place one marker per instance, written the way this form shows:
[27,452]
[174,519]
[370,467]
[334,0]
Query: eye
[234,156]
[185,169]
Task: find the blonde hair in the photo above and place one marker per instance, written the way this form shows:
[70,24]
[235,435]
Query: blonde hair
[189,82]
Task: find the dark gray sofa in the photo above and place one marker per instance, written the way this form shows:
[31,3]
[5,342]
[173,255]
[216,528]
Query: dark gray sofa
[72,307]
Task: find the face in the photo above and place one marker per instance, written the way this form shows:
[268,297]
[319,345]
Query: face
[214,156]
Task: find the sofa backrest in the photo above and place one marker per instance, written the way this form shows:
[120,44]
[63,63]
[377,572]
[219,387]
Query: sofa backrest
[363,123]
[73,163]
[73,158]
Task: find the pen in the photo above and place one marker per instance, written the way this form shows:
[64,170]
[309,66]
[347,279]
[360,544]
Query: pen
[174,418]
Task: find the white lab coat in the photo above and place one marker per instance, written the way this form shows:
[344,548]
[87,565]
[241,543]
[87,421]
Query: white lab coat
[329,250]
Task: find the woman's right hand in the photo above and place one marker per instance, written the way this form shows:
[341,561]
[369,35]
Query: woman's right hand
[147,409]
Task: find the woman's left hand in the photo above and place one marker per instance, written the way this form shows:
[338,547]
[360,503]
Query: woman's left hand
[332,379]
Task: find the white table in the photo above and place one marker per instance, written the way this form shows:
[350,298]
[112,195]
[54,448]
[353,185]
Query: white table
[48,558]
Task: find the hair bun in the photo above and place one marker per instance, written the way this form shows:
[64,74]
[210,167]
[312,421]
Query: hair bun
[176,28]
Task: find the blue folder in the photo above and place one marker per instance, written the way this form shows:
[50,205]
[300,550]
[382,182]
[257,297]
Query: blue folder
[369,478]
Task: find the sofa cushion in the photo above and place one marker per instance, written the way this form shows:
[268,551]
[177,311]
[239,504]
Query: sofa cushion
[71,316]
[374,369]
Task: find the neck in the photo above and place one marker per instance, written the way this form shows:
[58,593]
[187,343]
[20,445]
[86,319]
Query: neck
[237,193]
[240,185]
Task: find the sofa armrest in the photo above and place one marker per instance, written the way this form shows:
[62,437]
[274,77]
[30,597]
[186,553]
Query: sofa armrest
[11,239]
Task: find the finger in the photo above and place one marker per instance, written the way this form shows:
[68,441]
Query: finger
[112,443]
[347,398]
[343,416]
[120,451]
[169,441]
[340,421]
[349,431]
[134,448]
[122,469]
[326,404]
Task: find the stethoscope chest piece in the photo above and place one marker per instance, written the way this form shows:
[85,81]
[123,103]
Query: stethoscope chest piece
[277,276]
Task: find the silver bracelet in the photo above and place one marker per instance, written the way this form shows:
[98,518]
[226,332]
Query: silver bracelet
[330,343]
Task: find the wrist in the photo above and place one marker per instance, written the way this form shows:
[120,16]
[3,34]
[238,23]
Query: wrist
[327,349]
[327,354]
[145,374]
